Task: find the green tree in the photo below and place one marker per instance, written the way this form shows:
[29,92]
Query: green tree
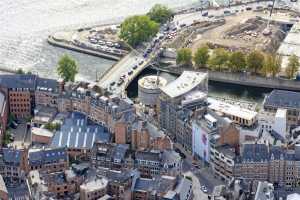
[20,71]
[184,57]
[219,58]
[272,64]
[293,66]
[67,68]
[160,13]
[237,61]
[255,61]
[201,56]
[137,29]
[52,126]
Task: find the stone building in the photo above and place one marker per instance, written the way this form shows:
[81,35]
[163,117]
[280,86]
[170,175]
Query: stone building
[93,189]
[48,160]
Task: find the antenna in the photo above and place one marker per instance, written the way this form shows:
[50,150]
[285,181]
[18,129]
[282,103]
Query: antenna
[96,75]
[157,78]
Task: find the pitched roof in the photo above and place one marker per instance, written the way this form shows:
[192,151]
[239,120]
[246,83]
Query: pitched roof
[283,99]
[255,153]
[18,81]
[47,156]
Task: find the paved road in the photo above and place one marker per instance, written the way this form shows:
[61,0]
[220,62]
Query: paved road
[189,18]
[197,192]
[133,58]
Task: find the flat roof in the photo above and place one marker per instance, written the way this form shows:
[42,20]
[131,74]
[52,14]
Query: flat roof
[291,43]
[94,184]
[232,110]
[186,82]
[152,82]
[41,132]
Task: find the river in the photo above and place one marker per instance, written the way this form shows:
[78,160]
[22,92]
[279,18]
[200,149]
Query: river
[25,25]
[216,89]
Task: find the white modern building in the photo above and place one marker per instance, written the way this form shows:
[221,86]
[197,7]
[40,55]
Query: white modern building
[237,114]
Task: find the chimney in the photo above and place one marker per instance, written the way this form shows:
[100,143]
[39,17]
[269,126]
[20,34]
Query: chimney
[61,86]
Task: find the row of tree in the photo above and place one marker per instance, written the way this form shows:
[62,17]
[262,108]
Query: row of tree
[221,60]
[140,28]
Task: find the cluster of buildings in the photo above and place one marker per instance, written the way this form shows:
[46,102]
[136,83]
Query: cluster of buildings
[86,144]
[96,146]
[236,142]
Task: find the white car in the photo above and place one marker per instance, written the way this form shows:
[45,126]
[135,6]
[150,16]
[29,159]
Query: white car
[203,188]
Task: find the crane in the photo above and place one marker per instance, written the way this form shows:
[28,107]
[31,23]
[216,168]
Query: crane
[267,30]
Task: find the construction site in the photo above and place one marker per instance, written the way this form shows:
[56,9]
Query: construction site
[242,30]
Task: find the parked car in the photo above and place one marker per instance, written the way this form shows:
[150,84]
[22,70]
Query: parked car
[204,189]
[130,72]
[134,67]
[205,14]
[120,82]
[112,83]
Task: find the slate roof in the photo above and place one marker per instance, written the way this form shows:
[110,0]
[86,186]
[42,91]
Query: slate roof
[119,151]
[12,156]
[50,85]
[255,153]
[147,155]
[121,176]
[283,99]
[18,81]
[78,132]
[47,156]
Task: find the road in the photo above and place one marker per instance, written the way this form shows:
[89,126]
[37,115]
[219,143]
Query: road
[189,18]
[110,79]
[197,192]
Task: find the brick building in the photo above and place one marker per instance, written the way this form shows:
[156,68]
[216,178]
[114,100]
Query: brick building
[93,189]
[48,160]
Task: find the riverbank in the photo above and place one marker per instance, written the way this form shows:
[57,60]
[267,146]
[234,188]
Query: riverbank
[244,79]
[65,45]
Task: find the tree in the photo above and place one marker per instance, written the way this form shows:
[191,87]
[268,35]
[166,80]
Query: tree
[201,56]
[272,64]
[20,71]
[219,58]
[52,126]
[184,56]
[293,66]
[237,61]
[67,68]
[137,29]
[255,61]
[160,13]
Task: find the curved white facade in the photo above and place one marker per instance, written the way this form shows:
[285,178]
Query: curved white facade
[148,89]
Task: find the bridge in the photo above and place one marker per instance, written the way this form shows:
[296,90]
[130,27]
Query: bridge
[110,80]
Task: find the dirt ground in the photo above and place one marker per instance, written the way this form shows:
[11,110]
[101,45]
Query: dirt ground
[219,35]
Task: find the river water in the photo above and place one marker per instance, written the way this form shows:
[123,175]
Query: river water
[25,25]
